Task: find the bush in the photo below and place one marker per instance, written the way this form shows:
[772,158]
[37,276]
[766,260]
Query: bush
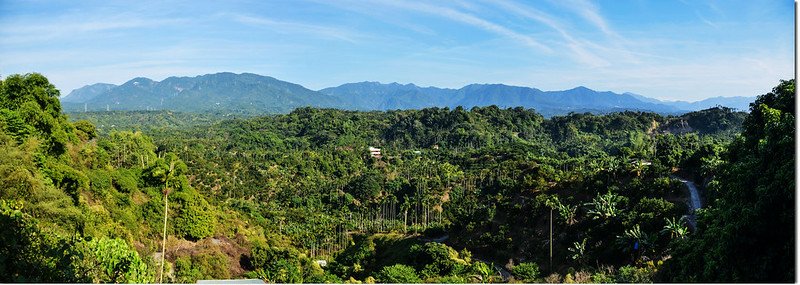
[605,275]
[100,182]
[213,265]
[398,273]
[185,272]
[452,279]
[632,274]
[194,218]
[361,252]
[67,179]
[86,130]
[527,272]
[434,259]
[114,261]
[484,270]
[581,277]
[553,278]
[27,254]
[325,277]
[277,265]
[125,180]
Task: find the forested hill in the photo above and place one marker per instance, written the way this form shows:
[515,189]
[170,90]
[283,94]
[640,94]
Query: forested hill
[251,94]
[377,96]
[223,93]
[718,121]
[452,196]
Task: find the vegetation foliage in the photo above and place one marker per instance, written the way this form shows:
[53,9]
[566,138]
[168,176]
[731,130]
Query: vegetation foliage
[456,196]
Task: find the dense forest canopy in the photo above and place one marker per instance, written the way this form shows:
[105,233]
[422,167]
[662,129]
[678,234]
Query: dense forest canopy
[453,196]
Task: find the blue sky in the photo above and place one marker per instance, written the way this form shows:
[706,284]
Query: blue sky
[674,50]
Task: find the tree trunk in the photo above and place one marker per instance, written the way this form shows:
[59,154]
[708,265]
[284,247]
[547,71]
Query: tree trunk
[164,241]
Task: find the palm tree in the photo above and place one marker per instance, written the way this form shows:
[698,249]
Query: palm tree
[165,175]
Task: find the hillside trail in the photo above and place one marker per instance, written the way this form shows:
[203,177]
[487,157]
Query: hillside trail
[694,200]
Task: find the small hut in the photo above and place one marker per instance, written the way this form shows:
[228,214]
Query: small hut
[375,152]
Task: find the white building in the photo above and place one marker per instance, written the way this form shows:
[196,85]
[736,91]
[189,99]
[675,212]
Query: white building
[375,152]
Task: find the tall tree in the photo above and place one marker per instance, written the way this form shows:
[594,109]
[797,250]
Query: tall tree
[747,234]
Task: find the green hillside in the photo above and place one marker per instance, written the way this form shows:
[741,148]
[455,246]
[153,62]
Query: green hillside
[456,196]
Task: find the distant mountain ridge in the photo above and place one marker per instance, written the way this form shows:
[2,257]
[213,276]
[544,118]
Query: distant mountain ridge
[88,92]
[377,96]
[221,92]
[740,103]
[249,93]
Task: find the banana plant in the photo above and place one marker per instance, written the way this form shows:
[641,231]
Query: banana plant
[675,229]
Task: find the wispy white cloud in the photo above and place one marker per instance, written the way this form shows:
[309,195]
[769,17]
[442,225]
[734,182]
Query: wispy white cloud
[588,11]
[284,27]
[591,14]
[377,13]
[472,20]
[695,80]
[44,30]
[713,7]
[712,24]
[577,47]
[545,44]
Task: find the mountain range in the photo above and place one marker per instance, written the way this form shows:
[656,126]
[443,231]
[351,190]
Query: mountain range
[249,93]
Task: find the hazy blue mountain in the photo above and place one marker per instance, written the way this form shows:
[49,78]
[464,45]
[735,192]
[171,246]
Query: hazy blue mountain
[740,103]
[254,94]
[497,94]
[87,93]
[643,98]
[376,96]
[221,92]
[582,97]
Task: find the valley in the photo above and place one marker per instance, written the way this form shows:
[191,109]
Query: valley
[434,195]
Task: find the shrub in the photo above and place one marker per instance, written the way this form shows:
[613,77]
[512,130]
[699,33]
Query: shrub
[362,252]
[632,274]
[125,181]
[553,278]
[113,261]
[67,179]
[452,279]
[100,181]
[605,275]
[325,277]
[277,264]
[526,271]
[434,259]
[194,218]
[398,273]
[484,270]
[86,130]
[185,272]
